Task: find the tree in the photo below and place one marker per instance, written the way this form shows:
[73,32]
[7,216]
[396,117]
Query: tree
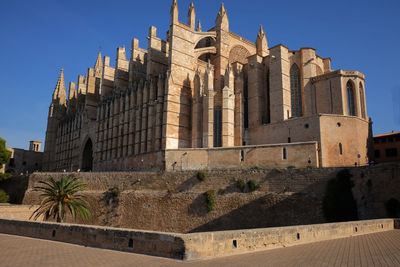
[59,197]
[4,153]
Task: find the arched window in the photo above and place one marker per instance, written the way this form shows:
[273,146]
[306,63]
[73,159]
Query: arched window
[351,99]
[295,91]
[362,101]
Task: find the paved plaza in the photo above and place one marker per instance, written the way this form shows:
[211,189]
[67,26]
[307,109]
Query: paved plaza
[379,249]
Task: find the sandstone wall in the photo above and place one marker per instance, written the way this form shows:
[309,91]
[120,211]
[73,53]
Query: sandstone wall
[175,201]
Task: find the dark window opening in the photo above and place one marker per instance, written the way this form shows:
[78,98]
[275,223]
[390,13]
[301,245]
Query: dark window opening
[295,91]
[284,153]
[24,163]
[351,99]
[377,153]
[298,236]
[289,140]
[340,149]
[306,125]
[242,155]
[391,152]
[53,234]
[217,127]
[234,243]
[130,243]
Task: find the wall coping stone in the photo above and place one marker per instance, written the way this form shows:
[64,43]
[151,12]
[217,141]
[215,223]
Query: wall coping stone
[193,246]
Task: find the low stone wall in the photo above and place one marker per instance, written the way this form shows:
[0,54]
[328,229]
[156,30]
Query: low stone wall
[299,155]
[167,245]
[223,243]
[193,246]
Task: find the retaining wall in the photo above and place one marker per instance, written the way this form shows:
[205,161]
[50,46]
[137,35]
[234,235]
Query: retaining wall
[192,246]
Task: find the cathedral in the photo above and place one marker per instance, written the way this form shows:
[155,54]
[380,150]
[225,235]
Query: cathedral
[208,99]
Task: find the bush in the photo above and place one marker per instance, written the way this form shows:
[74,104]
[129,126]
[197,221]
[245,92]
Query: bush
[111,195]
[210,200]
[201,176]
[5,176]
[3,196]
[339,204]
[253,185]
[241,184]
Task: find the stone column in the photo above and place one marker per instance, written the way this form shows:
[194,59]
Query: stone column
[208,108]
[143,139]
[228,107]
[138,117]
[159,112]
[151,117]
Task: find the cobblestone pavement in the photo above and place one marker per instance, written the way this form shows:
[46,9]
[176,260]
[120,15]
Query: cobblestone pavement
[379,249]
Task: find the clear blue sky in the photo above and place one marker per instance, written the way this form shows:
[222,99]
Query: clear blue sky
[39,37]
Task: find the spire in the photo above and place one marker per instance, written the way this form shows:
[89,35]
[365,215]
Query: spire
[192,16]
[199,28]
[99,61]
[98,66]
[60,92]
[262,43]
[222,21]
[72,91]
[174,12]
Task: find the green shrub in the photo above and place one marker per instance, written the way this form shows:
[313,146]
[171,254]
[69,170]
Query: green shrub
[111,195]
[253,185]
[5,176]
[210,200]
[201,176]
[241,184]
[3,196]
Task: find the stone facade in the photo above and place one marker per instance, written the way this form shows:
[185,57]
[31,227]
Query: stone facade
[198,91]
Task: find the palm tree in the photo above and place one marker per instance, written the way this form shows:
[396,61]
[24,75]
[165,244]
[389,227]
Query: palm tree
[58,197]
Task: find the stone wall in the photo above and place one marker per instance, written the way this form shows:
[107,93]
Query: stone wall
[192,246]
[176,202]
[297,155]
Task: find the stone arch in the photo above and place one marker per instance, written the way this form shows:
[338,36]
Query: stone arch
[207,41]
[238,54]
[87,156]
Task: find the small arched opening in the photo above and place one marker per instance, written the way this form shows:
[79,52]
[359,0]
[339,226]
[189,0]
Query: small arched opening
[87,157]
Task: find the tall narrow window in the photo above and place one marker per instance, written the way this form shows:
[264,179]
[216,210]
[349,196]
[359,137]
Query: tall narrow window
[362,101]
[217,127]
[295,91]
[340,149]
[284,153]
[351,99]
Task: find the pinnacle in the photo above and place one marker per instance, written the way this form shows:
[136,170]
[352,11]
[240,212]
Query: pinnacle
[199,27]
[261,31]
[222,10]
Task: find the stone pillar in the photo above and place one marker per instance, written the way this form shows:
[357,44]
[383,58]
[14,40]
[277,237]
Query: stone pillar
[159,112]
[143,137]
[239,127]
[208,109]
[197,115]
[228,107]
[308,59]
[256,87]
[126,125]
[138,117]
[280,101]
[151,117]
[132,120]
